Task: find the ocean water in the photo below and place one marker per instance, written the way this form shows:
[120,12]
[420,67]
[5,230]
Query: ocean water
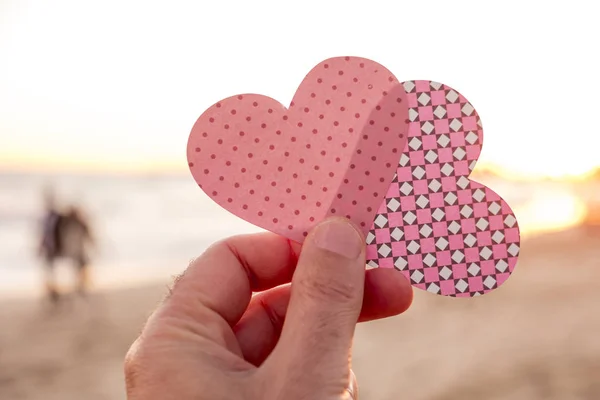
[146,227]
[150,227]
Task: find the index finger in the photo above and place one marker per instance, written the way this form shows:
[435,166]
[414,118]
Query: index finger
[223,278]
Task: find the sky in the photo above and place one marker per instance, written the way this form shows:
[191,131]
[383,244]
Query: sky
[117,85]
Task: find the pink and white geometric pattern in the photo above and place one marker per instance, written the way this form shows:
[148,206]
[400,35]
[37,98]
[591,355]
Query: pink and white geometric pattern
[447,234]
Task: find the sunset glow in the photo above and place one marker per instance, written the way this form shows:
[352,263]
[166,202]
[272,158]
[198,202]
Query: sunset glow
[118,86]
[555,213]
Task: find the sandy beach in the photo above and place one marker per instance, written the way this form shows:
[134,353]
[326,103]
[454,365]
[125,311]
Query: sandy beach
[535,338]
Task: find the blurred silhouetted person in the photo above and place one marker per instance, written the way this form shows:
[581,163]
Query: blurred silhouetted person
[64,235]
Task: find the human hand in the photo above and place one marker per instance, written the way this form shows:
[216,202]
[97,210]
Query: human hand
[211,339]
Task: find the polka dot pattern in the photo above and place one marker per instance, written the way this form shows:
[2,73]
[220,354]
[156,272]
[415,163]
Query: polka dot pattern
[334,151]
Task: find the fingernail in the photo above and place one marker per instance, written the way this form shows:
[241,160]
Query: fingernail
[340,237]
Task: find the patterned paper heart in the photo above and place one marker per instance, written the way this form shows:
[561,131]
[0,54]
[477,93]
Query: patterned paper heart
[447,234]
[333,152]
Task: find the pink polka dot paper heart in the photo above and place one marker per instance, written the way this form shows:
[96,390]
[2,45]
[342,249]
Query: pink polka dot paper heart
[333,152]
[447,234]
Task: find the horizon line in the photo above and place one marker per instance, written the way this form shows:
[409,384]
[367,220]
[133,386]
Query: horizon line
[176,169]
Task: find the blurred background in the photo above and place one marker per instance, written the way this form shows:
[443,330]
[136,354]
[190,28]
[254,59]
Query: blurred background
[97,100]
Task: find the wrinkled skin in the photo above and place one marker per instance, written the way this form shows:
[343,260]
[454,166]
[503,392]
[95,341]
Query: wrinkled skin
[212,339]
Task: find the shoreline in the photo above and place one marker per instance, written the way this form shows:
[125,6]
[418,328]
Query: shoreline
[104,277]
[534,338]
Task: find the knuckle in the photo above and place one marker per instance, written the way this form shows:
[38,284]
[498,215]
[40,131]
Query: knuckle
[133,366]
[142,369]
[331,290]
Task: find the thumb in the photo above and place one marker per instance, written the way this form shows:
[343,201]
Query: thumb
[325,303]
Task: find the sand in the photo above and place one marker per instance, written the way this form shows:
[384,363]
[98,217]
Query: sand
[538,337]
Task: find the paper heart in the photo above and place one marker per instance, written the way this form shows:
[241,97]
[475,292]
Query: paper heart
[447,234]
[333,152]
